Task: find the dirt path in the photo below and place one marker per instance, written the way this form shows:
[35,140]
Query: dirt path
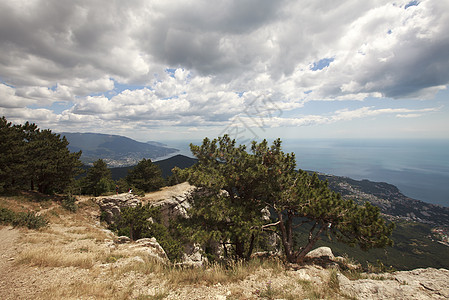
[9,248]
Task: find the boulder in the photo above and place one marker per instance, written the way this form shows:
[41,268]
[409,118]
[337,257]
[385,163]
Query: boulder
[321,252]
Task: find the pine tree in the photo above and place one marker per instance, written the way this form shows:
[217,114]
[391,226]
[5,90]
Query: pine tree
[12,151]
[225,207]
[52,166]
[29,155]
[145,176]
[235,186]
[98,179]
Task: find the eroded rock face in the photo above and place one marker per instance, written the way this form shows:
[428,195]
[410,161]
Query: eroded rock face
[426,283]
[175,204]
[173,208]
[147,247]
[111,206]
[193,256]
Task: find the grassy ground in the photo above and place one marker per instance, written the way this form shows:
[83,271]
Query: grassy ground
[75,258]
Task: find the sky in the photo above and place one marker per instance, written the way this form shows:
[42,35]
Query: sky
[170,70]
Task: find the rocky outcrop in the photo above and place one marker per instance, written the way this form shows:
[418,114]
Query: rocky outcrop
[418,284]
[147,247]
[172,201]
[193,256]
[423,284]
[111,206]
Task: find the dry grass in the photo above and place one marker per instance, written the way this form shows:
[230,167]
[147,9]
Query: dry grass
[74,240]
[81,289]
[52,256]
[219,273]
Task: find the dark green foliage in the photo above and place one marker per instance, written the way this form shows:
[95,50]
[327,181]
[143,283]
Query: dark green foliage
[299,198]
[22,219]
[413,248]
[12,155]
[38,158]
[69,203]
[51,166]
[234,187]
[145,176]
[180,161]
[226,207]
[6,216]
[144,221]
[97,180]
[30,220]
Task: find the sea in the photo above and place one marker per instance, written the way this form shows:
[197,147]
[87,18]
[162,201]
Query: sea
[419,168]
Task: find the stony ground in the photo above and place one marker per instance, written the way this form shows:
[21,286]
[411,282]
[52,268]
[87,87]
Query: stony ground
[76,258]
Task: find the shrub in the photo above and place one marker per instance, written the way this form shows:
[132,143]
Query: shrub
[22,219]
[30,220]
[6,216]
[69,203]
[145,222]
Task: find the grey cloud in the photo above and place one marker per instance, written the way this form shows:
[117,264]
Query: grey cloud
[68,50]
[192,35]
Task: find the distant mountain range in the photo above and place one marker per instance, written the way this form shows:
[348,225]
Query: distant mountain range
[115,150]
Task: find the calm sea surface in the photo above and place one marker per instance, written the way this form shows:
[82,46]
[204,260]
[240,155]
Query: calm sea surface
[419,168]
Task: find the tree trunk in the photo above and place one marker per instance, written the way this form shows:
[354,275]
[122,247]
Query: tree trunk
[311,243]
[225,250]
[251,247]
[131,229]
[285,240]
[239,249]
[289,228]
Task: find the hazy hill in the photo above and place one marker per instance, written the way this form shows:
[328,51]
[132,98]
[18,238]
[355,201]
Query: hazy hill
[389,199]
[115,150]
[166,166]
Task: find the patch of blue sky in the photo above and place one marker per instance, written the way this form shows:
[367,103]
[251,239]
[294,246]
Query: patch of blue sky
[322,63]
[411,3]
[2,81]
[330,107]
[320,108]
[120,87]
[56,107]
[170,97]
[170,72]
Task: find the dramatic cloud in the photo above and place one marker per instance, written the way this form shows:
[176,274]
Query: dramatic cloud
[127,66]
